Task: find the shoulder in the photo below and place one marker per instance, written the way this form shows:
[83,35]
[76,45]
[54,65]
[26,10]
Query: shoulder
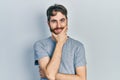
[75,43]
[41,42]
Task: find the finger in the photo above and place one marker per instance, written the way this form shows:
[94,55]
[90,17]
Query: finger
[40,69]
[64,30]
[42,75]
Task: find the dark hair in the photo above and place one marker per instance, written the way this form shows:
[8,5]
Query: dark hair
[51,11]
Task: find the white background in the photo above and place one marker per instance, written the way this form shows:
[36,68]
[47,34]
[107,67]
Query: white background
[96,23]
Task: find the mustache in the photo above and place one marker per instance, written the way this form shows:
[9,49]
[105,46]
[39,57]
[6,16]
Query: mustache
[52,30]
[59,28]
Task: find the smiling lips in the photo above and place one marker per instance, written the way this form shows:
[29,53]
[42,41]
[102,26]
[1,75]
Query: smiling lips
[58,30]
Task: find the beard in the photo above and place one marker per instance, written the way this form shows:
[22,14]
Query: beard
[54,30]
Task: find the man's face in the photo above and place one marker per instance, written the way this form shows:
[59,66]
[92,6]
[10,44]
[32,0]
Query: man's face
[57,23]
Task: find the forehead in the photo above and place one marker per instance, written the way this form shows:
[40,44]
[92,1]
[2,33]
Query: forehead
[58,16]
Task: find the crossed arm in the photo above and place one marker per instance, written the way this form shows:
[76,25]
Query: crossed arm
[80,72]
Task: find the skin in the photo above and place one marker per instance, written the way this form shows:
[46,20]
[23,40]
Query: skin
[57,23]
[49,67]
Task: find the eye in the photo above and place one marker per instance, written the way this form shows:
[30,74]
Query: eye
[62,20]
[53,21]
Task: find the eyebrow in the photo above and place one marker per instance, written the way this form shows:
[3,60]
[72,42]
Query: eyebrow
[56,20]
[53,20]
[62,19]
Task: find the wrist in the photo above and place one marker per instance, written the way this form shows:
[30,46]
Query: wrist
[60,44]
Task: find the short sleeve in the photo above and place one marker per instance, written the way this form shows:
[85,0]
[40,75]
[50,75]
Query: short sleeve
[80,59]
[39,52]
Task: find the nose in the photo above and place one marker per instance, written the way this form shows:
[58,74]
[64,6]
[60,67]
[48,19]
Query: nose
[58,24]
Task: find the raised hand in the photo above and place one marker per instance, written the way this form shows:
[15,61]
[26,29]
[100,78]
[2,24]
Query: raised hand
[62,37]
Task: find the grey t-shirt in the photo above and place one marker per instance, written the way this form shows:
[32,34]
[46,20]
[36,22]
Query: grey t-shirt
[73,53]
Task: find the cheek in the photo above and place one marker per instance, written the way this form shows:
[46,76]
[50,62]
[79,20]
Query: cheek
[63,24]
[53,25]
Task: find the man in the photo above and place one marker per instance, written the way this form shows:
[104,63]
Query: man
[59,56]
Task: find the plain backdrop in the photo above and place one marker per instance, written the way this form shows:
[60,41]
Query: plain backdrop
[96,23]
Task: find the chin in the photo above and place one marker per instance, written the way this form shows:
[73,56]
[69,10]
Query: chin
[57,33]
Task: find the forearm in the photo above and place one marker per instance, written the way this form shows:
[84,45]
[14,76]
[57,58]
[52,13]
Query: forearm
[54,63]
[60,76]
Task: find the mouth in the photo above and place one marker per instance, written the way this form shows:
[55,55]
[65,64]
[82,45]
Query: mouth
[58,30]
